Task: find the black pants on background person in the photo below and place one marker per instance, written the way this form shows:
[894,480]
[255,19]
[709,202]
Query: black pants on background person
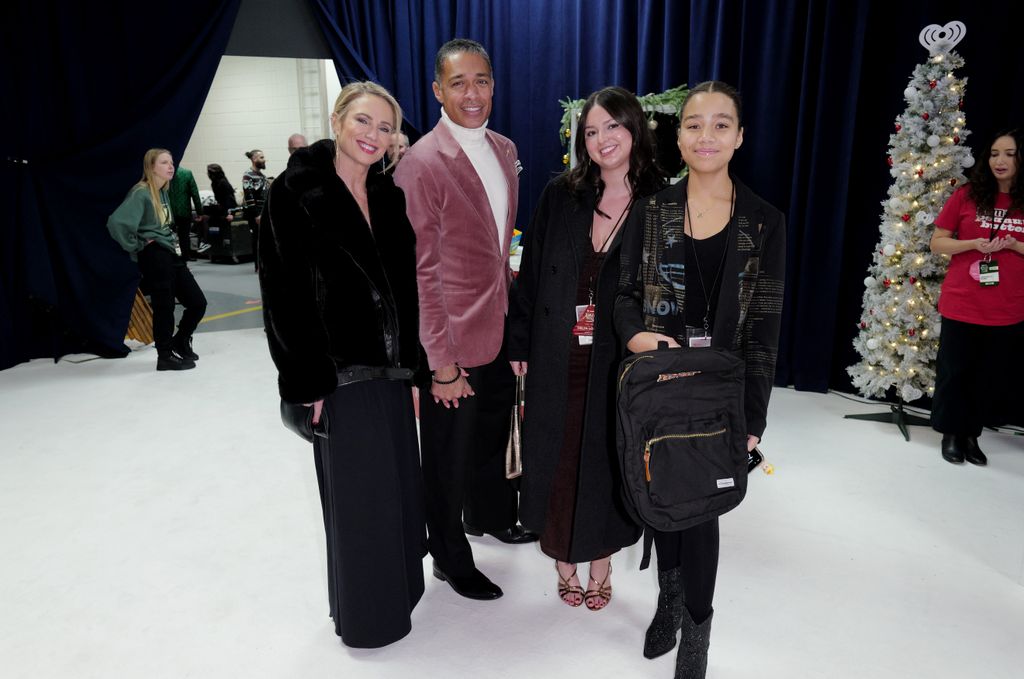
[463,452]
[695,552]
[166,278]
[371,493]
[978,378]
[183,225]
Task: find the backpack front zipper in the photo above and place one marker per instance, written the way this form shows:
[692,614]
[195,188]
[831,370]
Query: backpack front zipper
[625,371]
[650,442]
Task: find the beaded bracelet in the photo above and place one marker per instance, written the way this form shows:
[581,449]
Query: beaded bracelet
[453,380]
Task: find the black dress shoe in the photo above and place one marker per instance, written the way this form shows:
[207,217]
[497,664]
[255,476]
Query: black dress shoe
[472,586]
[954,448]
[516,535]
[974,454]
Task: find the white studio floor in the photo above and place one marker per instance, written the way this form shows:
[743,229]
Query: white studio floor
[165,525]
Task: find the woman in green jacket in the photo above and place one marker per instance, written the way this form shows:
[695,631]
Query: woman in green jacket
[144,227]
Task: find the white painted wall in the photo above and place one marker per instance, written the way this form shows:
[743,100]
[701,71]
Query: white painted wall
[256,102]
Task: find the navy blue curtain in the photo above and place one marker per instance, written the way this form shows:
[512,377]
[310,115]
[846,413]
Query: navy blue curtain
[822,81]
[87,91]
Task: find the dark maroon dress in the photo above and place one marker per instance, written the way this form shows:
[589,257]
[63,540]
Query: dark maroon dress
[556,540]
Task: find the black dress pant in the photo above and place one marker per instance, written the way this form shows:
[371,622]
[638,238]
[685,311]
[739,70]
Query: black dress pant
[371,494]
[695,552]
[977,377]
[166,278]
[183,225]
[464,464]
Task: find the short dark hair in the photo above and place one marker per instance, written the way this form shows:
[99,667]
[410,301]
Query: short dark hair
[453,47]
[250,154]
[644,175]
[709,86]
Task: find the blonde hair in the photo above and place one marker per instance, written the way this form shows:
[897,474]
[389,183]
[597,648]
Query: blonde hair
[352,91]
[149,180]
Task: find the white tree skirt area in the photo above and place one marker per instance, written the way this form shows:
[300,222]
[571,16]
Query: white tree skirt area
[166,525]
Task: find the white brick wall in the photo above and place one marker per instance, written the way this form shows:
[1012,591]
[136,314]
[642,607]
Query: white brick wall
[254,102]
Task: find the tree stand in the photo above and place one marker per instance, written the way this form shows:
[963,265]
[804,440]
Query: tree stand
[896,415]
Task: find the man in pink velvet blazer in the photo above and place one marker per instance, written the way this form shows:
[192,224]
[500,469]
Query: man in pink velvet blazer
[461,186]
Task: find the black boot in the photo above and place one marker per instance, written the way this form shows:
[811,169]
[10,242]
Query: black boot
[973,453]
[169,361]
[661,634]
[183,348]
[692,658]
[954,448]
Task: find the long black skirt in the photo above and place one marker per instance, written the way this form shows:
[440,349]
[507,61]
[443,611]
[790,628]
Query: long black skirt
[371,490]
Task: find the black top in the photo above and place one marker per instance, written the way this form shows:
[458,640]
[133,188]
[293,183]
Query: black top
[703,268]
[224,193]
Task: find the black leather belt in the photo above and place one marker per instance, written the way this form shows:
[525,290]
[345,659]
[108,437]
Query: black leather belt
[362,373]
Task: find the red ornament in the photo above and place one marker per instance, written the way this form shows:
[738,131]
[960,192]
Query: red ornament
[932,84]
[956,139]
[960,105]
[889,161]
[905,218]
[863,325]
[952,182]
[886,282]
[912,332]
[920,173]
[898,127]
[925,115]
[912,280]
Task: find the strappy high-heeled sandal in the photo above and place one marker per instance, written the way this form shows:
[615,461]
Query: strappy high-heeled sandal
[598,597]
[565,589]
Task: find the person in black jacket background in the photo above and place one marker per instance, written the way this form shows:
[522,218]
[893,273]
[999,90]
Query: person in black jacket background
[687,263]
[338,276]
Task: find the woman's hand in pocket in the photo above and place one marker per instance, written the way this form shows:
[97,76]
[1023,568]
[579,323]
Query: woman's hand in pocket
[318,407]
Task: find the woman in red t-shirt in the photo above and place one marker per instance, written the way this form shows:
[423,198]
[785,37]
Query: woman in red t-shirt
[981,228]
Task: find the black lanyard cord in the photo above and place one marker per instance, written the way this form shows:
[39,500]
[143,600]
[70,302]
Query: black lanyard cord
[696,258]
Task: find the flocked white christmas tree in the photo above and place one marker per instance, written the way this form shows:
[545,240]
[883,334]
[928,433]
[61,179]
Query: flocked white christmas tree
[899,326]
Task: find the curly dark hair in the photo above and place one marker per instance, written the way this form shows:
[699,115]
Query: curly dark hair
[644,175]
[983,188]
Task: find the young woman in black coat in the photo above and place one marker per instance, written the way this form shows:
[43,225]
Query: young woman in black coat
[338,277]
[223,192]
[570,492]
[687,259]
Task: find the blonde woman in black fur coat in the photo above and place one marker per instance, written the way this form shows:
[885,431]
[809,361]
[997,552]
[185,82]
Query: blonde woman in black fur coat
[338,274]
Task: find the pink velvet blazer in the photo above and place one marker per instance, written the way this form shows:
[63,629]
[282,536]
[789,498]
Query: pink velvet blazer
[463,270]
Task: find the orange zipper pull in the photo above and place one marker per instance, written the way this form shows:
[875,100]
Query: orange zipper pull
[647,462]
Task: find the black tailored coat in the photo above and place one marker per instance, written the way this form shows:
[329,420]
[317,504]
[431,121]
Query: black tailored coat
[336,294]
[540,321]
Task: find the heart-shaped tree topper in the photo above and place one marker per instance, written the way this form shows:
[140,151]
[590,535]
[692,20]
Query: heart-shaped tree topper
[941,39]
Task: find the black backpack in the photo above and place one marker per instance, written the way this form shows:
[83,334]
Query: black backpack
[682,438]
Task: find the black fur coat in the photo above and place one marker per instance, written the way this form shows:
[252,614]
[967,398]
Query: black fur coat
[336,293]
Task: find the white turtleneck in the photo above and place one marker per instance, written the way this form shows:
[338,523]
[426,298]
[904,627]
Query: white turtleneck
[485,162]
